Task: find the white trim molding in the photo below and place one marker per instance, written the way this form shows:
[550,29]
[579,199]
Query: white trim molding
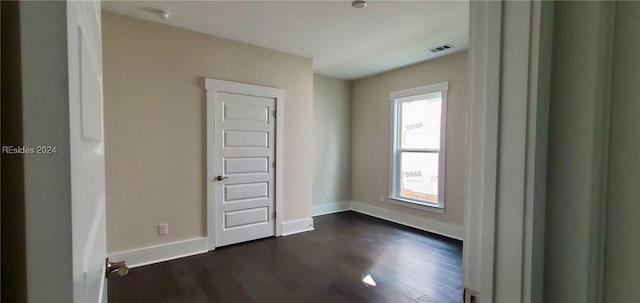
[422,90]
[160,253]
[419,222]
[482,147]
[330,208]
[297,226]
[509,54]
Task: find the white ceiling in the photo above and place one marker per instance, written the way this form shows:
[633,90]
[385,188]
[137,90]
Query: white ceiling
[344,42]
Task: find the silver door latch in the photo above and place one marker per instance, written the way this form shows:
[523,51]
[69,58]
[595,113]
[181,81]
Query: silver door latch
[470,295]
[120,268]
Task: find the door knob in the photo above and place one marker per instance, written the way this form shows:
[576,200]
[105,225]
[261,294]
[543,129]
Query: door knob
[120,268]
[220,178]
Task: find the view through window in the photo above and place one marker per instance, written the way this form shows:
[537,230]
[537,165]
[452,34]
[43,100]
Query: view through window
[417,149]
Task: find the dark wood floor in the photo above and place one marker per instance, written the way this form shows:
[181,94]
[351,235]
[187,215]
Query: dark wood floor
[326,265]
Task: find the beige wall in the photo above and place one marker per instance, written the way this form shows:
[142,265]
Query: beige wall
[370,132]
[331,140]
[155,125]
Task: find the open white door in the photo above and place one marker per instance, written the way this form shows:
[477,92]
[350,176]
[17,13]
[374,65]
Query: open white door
[87,151]
[242,147]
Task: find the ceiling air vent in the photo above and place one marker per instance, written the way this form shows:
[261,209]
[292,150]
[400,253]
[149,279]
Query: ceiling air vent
[441,48]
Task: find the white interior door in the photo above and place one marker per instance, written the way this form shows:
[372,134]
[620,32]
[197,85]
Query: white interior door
[242,165]
[87,152]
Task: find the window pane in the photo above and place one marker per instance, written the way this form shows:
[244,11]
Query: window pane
[420,122]
[419,176]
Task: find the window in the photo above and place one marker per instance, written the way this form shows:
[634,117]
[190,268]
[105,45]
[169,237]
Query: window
[417,156]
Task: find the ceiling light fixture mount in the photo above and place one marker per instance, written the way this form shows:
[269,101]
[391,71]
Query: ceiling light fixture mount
[359,4]
[164,14]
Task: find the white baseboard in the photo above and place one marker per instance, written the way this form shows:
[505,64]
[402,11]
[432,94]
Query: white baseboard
[297,226]
[433,226]
[330,208]
[165,252]
[160,253]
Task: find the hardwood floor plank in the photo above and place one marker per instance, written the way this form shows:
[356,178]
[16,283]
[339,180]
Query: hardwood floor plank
[326,265]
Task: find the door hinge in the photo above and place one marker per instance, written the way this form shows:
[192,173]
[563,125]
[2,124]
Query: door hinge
[273,164]
[274,215]
[470,295]
[274,114]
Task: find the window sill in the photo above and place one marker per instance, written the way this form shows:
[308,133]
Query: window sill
[417,205]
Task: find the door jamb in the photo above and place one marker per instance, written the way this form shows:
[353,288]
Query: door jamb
[212,86]
[485,29]
[510,51]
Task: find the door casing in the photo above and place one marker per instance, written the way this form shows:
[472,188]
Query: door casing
[510,59]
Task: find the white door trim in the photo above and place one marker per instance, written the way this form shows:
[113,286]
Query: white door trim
[482,146]
[214,85]
[506,149]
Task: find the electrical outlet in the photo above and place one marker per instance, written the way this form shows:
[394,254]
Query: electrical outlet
[163,229]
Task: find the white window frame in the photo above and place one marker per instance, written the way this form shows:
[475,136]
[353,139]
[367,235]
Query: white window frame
[407,95]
